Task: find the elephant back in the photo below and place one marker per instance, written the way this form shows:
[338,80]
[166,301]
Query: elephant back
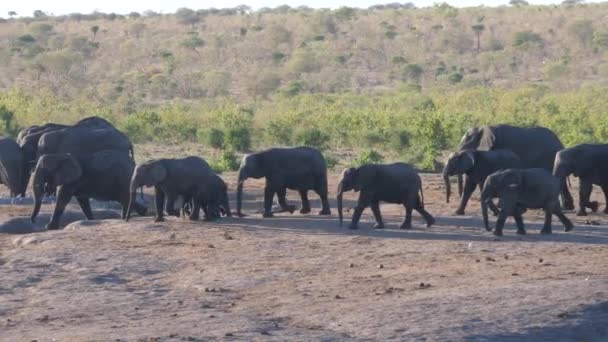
[83,140]
[11,165]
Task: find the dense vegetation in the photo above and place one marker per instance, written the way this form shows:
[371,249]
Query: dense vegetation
[391,80]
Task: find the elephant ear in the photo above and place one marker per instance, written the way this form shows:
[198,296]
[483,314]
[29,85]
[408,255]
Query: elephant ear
[364,177]
[486,138]
[584,167]
[512,180]
[68,170]
[157,172]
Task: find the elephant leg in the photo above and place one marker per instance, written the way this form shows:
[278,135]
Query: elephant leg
[85,205]
[282,196]
[377,215]
[196,209]
[305,203]
[170,204]
[430,220]
[63,198]
[321,190]
[568,226]
[500,222]
[547,225]
[583,196]
[567,201]
[159,202]
[605,191]
[364,201]
[407,221]
[519,221]
[268,197]
[469,187]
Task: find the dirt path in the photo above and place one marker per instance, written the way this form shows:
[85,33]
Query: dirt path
[302,277]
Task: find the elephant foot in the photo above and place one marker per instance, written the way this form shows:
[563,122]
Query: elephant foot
[267,214]
[497,232]
[546,230]
[405,226]
[430,221]
[605,210]
[488,229]
[305,211]
[159,219]
[593,206]
[353,226]
[521,232]
[459,212]
[325,212]
[52,227]
[568,227]
[290,208]
[581,213]
[379,226]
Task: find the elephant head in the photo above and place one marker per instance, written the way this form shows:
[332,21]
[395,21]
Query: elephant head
[148,174]
[353,179]
[571,161]
[504,184]
[476,138]
[57,169]
[49,142]
[12,167]
[458,163]
[223,201]
[252,166]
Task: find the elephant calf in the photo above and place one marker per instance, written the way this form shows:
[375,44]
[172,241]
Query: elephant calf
[212,199]
[476,166]
[521,189]
[103,175]
[393,183]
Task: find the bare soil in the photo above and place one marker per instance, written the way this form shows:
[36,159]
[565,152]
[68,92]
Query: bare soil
[302,277]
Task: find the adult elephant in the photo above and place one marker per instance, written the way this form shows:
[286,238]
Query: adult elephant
[103,175]
[588,162]
[12,166]
[535,146]
[83,140]
[296,168]
[186,177]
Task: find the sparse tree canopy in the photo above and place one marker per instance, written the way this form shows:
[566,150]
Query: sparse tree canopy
[187,16]
[518,3]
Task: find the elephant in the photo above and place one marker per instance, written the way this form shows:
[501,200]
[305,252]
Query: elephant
[213,199]
[39,130]
[393,183]
[296,168]
[171,178]
[78,140]
[103,175]
[535,146]
[476,166]
[12,167]
[588,162]
[521,189]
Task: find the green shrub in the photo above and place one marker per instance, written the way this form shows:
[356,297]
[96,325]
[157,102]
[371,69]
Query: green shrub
[331,161]
[227,161]
[211,137]
[312,137]
[368,156]
[399,140]
[523,37]
[238,139]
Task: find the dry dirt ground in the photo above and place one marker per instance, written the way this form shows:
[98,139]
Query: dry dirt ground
[302,277]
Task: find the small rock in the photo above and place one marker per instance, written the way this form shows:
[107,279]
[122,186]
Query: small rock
[506,257]
[264,332]
[338,297]
[540,260]
[210,246]
[563,314]
[351,265]
[592,223]
[514,274]
[172,236]
[477,260]
[380,266]
[229,334]
[490,259]
[44,318]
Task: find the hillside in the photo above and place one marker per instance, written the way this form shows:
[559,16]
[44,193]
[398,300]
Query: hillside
[387,76]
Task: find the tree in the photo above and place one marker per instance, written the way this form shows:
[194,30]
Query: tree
[134,15]
[193,42]
[478,29]
[39,14]
[94,30]
[187,16]
[12,14]
[518,3]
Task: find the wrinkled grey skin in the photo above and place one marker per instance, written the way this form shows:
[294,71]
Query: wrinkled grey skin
[521,189]
[12,165]
[84,140]
[476,166]
[213,200]
[536,148]
[104,176]
[186,177]
[29,137]
[588,162]
[297,168]
[393,183]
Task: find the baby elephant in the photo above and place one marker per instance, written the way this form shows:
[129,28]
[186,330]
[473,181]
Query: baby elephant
[393,183]
[521,189]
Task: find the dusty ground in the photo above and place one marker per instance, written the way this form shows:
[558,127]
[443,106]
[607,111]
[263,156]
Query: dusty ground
[302,277]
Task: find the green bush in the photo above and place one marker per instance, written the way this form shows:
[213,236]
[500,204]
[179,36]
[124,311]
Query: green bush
[312,137]
[227,161]
[238,139]
[211,137]
[368,156]
[520,38]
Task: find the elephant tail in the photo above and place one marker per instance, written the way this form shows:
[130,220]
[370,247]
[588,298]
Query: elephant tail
[421,193]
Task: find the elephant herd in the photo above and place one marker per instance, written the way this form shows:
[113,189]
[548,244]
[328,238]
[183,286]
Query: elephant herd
[523,168]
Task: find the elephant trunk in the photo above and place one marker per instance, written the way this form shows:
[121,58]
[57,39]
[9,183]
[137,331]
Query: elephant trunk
[448,187]
[340,204]
[132,194]
[38,185]
[460,186]
[226,205]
